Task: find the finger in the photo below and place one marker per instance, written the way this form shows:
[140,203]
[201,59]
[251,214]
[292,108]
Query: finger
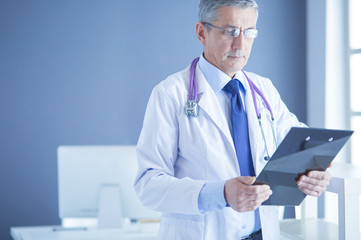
[322,175]
[256,203]
[252,192]
[310,192]
[243,205]
[264,195]
[252,200]
[312,181]
[248,180]
[299,175]
[314,188]
[246,205]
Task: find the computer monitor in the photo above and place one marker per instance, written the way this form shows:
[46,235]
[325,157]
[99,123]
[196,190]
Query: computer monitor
[97,182]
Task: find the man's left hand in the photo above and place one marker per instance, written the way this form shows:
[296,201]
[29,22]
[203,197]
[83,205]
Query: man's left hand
[314,183]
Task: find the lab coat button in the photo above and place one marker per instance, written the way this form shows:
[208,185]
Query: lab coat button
[244,226]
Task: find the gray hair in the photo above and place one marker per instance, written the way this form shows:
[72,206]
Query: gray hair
[208,9]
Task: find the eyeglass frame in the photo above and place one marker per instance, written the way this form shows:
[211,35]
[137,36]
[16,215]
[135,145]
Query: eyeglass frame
[235,32]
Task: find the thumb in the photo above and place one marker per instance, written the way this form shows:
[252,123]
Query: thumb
[247,180]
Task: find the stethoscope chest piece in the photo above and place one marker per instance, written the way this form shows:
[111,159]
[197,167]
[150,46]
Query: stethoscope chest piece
[191,108]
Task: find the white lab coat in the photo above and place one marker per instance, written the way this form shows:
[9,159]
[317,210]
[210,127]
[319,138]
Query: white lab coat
[178,154]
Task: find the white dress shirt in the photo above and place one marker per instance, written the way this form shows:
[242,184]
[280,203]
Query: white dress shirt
[211,196]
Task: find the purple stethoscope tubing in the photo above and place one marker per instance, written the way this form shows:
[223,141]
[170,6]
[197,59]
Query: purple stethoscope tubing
[193,93]
[193,89]
[254,89]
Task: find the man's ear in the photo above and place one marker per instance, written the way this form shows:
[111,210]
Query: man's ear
[201,32]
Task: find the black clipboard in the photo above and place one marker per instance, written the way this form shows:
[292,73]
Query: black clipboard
[301,149]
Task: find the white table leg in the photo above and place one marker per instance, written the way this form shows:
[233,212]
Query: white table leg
[348,217]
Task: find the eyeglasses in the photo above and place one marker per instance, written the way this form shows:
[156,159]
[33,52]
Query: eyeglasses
[235,32]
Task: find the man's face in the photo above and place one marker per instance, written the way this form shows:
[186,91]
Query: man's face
[227,53]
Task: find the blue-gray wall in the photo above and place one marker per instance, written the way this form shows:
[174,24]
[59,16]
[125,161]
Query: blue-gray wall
[80,72]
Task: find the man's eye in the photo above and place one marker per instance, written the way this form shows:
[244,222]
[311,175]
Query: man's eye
[234,32]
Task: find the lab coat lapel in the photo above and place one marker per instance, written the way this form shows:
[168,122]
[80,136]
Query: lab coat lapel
[209,103]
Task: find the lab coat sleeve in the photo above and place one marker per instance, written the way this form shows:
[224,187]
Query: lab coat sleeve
[157,150]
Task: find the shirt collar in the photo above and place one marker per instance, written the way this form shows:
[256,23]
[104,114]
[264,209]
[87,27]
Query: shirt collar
[215,77]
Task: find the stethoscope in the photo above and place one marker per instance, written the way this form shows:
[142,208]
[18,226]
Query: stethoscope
[191,108]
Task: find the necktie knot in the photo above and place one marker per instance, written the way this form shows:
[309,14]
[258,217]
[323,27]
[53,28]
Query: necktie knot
[234,86]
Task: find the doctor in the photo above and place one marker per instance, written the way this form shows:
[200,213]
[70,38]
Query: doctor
[195,169]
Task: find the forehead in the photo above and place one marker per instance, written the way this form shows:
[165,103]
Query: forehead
[235,16]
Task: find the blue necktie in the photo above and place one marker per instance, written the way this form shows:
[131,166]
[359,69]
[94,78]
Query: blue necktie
[240,128]
[240,135]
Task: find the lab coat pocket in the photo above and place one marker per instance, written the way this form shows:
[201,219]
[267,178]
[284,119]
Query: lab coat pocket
[181,227]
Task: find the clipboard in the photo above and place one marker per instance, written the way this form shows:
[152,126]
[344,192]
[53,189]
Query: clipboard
[302,150]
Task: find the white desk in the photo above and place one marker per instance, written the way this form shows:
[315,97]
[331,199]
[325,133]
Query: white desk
[346,183]
[136,232]
[307,229]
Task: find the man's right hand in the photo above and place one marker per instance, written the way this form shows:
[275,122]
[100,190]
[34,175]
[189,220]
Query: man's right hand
[242,196]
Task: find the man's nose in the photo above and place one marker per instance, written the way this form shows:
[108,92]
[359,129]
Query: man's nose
[239,42]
